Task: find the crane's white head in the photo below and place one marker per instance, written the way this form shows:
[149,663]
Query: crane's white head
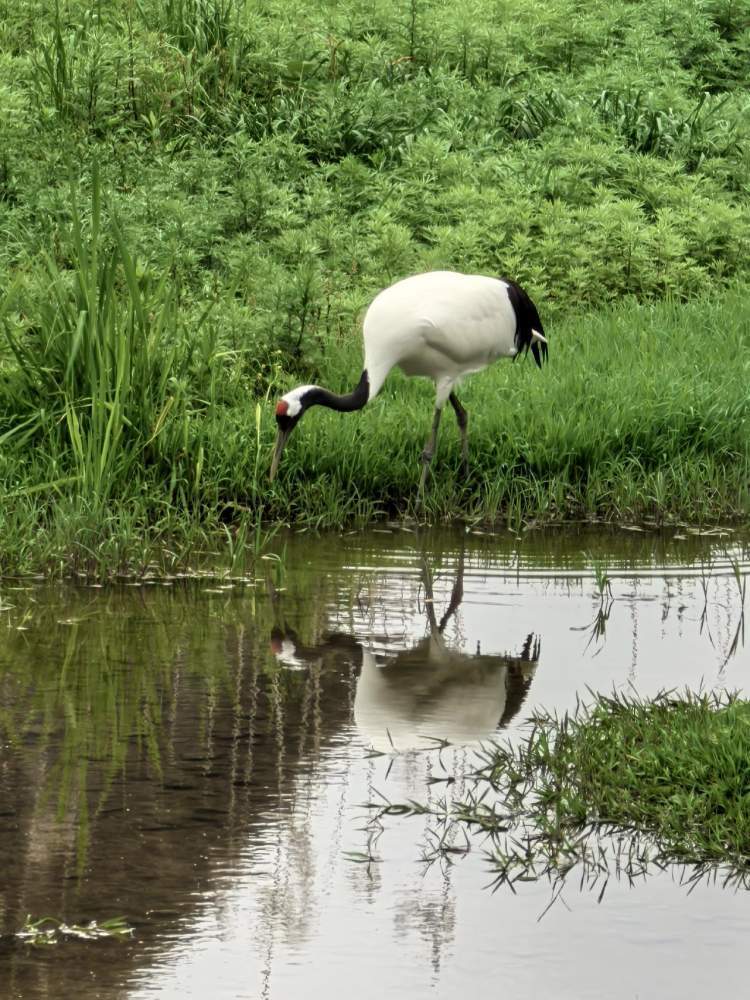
[289,410]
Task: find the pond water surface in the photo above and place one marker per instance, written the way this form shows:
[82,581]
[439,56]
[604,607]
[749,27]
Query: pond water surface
[194,755]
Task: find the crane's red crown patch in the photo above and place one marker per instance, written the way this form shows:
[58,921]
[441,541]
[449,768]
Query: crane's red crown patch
[281,407]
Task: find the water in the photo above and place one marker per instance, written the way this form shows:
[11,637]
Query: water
[192,755]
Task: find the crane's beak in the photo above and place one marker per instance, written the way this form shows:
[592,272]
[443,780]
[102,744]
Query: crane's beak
[281,439]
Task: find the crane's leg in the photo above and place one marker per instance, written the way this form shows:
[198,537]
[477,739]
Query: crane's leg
[457,594]
[429,448]
[463,421]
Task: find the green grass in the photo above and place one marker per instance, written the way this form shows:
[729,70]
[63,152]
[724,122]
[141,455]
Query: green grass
[199,197]
[634,417]
[621,788]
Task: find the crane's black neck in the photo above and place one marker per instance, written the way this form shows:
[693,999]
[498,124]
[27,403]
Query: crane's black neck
[354,400]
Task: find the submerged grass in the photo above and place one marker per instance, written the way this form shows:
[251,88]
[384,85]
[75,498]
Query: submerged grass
[49,931]
[674,768]
[618,789]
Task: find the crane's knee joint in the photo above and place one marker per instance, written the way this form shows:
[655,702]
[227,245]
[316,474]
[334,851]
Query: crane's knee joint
[427,456]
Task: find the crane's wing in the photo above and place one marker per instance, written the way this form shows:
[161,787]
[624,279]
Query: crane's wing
[443,324]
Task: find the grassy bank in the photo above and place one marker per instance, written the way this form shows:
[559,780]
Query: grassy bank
[619,789]
[643,412]
[197,200]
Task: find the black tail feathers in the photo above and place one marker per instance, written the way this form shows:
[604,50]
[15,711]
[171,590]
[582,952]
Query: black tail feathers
[527,320]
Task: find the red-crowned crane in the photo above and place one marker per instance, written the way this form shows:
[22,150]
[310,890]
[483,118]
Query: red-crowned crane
[442,325]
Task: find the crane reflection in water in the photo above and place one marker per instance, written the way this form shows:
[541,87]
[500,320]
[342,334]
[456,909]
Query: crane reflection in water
[431,690]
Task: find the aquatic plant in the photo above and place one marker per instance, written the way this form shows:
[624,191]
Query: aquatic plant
[620,787]
[49,930]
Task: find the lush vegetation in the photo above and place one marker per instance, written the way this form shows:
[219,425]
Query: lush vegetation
[198,197]
[620,788]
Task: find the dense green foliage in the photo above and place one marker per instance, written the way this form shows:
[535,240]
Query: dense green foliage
[198,197]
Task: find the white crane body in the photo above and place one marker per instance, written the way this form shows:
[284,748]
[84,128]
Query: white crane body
[441,325]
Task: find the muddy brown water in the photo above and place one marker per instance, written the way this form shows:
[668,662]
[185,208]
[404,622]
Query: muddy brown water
[192,755]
